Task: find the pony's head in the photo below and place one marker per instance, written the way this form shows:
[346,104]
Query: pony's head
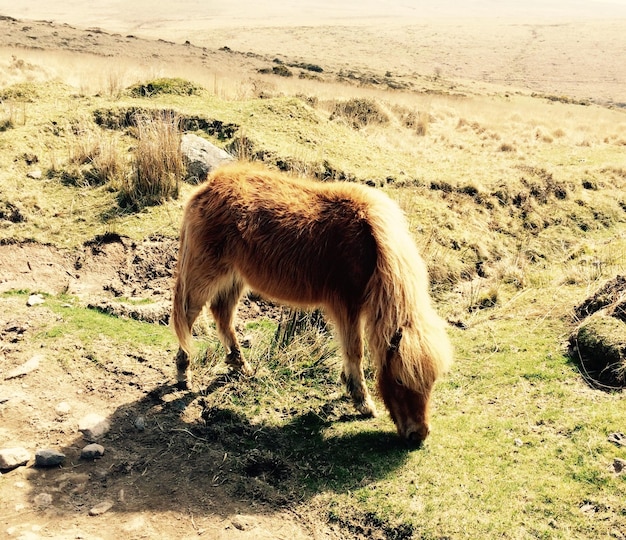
[406,392]
[408,408]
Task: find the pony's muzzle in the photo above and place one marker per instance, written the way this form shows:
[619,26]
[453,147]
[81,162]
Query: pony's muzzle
[416,435]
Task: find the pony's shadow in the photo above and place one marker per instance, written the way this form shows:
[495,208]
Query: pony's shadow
[304,453]
[206,453]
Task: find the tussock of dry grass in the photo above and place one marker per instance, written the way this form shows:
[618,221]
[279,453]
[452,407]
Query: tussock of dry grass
[158,167]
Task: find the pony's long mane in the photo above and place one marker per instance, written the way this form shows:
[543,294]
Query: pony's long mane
[399,302]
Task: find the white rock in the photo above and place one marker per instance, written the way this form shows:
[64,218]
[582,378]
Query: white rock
[43,500]
[63,408]
[49,458]
[93,426]
[243,522]
[201,157]
[92,451]
[140,423]
[101,508]
[26,367]
[35,300]
[10,458]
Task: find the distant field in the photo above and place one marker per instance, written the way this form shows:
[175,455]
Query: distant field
[575,48]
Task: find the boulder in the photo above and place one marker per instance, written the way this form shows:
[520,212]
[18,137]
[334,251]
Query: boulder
[93,426]
[92,451]
[201,157]
[49,458]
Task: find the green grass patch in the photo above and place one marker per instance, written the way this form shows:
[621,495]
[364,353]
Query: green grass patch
[86,324]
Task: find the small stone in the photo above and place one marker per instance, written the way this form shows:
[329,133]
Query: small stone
[243,523]
[63,408]
[35,300]
[10,458]
[247,341]
[588,508]
[518,442]
[26,367]
[101,508]
[617,438]
[43,500]
[140,423]
[92,451]
[35,174]
[48,458]
[93,426]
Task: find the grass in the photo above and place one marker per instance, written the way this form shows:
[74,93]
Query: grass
[517,204]
[74,319]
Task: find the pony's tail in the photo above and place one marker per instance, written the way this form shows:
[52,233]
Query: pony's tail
[179,320]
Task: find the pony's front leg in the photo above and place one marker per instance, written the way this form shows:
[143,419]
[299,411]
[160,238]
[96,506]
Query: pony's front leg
[352,374]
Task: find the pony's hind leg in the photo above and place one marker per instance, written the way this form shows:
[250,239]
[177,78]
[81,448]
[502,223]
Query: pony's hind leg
[223,307]
[195,302]
[351,336]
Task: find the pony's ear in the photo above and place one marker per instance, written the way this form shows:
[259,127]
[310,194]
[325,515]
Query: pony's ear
[394,343]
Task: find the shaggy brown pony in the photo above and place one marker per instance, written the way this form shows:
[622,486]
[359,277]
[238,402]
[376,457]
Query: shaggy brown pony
[342,246]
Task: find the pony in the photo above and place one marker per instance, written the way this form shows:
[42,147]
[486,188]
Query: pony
[344,247]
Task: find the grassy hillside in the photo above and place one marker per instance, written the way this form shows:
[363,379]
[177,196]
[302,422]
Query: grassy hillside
[518,204]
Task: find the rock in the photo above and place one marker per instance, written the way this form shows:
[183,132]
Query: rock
[92,451]
[48,458]
[617,438]
[43,500]
[101,508]
[201,157]
[93,426]
[10,458]
[619,465]
[35,174]
[140,423]
[35,300]
[26,367]
[63,408]
[243,523]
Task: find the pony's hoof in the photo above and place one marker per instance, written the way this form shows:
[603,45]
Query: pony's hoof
[367,409]
[183,384]
[246,369]
[240,370]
